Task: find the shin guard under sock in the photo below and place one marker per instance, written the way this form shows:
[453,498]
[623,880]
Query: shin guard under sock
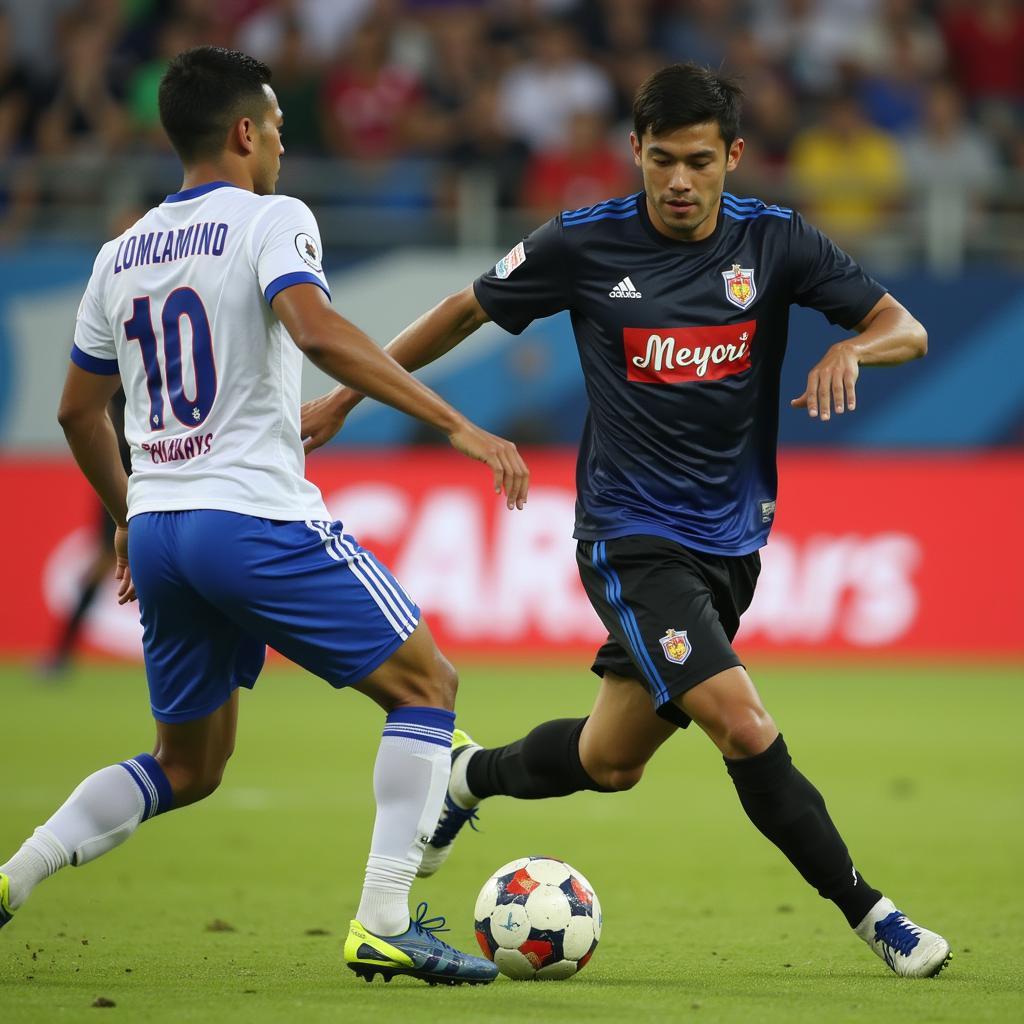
[789,811]
[410,779]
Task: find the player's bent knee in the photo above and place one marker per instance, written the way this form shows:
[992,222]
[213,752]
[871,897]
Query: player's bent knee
[192,783]
[621,779]
[615,778]
[204,785]
[748,733]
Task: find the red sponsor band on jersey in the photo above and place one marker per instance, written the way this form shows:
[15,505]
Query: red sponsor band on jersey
[672,355]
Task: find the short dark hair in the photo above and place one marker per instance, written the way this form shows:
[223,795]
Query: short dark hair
[203,92]
[683,94]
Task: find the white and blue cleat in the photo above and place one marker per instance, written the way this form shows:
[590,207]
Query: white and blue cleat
[909,950]
[416,953]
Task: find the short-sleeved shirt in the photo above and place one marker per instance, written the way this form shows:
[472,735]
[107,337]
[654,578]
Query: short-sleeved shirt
[681,345]
[179,305]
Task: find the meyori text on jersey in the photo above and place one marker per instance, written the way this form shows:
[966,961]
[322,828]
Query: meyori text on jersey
[206,238]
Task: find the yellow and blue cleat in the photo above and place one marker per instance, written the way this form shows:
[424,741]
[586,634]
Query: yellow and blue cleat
[6,913]
[416,953]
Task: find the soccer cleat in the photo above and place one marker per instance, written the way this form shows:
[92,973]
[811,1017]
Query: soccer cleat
[453,815]
[417,953]
[6,914]
[910,950]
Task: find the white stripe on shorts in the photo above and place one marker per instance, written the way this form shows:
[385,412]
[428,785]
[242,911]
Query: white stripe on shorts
[373,568]
[400,624]
[366,564]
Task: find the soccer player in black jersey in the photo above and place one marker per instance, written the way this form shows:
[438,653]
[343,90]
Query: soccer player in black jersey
[680,298]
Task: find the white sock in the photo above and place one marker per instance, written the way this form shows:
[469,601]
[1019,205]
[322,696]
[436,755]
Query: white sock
[410,779]
[39,857]
[100,814]
[458,787]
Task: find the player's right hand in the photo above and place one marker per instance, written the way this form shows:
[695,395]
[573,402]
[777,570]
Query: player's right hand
[122,571]
[510,472]
[321,418]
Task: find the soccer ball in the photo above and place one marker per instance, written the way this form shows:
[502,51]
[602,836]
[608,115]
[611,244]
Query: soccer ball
[538,918]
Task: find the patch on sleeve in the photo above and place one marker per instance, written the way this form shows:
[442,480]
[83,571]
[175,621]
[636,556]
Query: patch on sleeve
[308,250]
[510,261]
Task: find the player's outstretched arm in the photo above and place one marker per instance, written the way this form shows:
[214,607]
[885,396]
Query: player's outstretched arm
[84,418]
[887,336]
[427,338]
[345,353]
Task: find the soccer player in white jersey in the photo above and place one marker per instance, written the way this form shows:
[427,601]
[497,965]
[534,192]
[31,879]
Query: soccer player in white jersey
[203,311]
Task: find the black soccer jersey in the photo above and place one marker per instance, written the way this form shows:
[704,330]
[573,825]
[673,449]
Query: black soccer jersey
[681,345]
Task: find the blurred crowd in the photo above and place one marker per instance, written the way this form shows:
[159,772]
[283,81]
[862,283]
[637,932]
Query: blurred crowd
[851,104]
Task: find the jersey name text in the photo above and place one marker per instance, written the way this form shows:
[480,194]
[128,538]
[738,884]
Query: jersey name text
[178,449]
[204,239]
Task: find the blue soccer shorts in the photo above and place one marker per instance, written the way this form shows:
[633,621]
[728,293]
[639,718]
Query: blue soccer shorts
[216,587]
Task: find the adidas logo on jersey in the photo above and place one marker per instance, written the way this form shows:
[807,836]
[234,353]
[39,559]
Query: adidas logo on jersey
[625,289]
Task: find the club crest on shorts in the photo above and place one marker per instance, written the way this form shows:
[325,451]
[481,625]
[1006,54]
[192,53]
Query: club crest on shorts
[675,645]
[740,289]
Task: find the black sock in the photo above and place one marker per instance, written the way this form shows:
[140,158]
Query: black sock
[545,762]
[789,811]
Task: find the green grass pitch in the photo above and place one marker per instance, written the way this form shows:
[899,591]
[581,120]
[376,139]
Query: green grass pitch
[921,767]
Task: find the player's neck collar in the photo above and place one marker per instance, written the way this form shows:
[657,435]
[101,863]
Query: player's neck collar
[199,190]
[678,244]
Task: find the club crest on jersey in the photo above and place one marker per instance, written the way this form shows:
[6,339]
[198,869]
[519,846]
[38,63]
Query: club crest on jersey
[740,289]
[510,261]
[675,645]
[309,252]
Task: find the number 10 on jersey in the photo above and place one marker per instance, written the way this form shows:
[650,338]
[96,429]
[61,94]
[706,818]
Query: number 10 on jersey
[182,302]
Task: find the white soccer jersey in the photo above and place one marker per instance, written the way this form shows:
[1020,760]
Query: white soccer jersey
[180,306]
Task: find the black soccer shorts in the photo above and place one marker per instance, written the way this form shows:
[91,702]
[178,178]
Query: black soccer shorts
[671,612]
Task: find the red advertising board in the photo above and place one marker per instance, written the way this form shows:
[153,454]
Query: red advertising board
[875,553]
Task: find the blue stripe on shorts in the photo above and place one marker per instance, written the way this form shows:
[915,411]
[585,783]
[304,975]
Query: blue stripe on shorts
[613,591]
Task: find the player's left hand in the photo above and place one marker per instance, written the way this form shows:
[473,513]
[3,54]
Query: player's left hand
[321,418]
[122,571]
[831,382]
